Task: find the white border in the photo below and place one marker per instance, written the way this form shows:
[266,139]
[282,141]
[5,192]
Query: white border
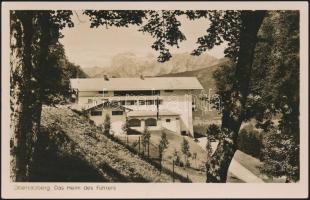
[160,190]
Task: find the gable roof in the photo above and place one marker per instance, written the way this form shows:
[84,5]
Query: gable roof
[90,106]
[152,83]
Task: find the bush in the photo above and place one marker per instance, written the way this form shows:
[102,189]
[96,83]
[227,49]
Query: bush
[281,155]
[213,132]
[200,130]
[188,164]
[250,141]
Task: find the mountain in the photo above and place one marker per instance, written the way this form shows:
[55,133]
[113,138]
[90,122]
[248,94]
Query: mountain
[130,65]
[204,75]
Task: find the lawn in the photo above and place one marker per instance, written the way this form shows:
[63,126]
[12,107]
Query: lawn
[196,172]
[253,165]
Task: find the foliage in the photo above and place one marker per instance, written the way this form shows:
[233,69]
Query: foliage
[107,125]
[145,138]
[32,36]
[209,147]
[125,126]
[225,26]
[176,158]
[261,81]
[213,132]
[163,144]
[162,25]
[185,150]
[59,74]
[275,90]
[250,141]
[281,156]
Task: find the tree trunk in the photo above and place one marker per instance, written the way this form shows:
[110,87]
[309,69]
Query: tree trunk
[29,52]
[233,112]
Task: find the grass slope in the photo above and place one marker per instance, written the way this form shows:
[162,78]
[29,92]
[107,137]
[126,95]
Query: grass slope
[72,149]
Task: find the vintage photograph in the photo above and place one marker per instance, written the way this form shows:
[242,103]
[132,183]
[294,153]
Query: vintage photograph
[154,96]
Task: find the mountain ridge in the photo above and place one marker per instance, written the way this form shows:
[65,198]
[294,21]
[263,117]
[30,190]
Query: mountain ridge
[130,65]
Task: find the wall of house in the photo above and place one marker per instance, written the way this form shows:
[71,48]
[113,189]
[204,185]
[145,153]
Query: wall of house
[117,121]
[177,101]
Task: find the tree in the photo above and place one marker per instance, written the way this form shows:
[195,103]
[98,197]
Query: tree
[176,157]
[280,156]
[107,125]
[278,87]
[162,146]
[209,148]
[213,131]
[145,140]
[186,151]
[32,34]
[240,29]
[57,76]
[125,126]
[195,158]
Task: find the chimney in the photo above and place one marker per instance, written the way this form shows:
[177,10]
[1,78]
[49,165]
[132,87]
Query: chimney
[106,77]
[142,77]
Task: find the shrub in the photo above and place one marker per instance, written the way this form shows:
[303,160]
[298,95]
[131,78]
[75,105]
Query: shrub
[200,130]
[188,163]
[213,132]
[107,125]
[250,141]
[281,155]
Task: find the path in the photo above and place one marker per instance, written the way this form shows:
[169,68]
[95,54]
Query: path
[235,167]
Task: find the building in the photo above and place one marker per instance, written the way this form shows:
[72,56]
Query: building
[157,102]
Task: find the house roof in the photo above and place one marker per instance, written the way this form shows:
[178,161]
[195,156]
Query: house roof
[90,106]
[152,83]
[149,113]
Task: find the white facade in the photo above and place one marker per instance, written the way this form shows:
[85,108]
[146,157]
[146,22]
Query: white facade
[174,108]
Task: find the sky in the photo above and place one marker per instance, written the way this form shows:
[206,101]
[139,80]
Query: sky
[89,47]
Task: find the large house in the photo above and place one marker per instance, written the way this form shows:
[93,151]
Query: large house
[157,102]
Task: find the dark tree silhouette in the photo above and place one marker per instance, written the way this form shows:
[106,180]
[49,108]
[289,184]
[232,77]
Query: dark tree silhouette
[32,33]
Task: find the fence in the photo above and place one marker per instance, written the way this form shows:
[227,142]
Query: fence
[149,153]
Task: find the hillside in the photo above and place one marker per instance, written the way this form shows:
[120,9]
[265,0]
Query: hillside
[130,65]
[204,75]
[72,149]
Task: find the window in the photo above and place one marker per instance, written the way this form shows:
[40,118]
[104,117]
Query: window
[103,92]
[134,123]
[177,118]
[117,112]
[130,103]
[122,103]
[159,102]
[137,93]
[141,102]
[151,122]
[96,113]
[90,101]
[168,120]
[168,90]
[149,102]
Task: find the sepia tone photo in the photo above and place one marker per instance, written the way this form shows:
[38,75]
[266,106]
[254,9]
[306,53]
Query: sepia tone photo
[154,96]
